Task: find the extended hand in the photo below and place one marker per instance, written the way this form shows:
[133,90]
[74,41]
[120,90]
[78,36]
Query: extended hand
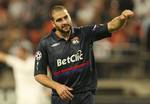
[127,14]
[64,92]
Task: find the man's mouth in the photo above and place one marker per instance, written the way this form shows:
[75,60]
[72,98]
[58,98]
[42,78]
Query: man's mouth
[67,25]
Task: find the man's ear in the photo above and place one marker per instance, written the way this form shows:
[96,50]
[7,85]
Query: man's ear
[52,22]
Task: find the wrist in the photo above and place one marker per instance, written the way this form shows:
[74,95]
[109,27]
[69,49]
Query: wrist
[56,85]
[123,16]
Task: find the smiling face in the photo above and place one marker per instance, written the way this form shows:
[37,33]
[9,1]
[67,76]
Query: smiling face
[61,21]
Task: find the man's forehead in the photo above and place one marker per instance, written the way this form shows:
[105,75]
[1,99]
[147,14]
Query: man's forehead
[60,13]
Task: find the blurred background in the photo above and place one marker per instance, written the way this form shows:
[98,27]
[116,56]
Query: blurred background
[123,61]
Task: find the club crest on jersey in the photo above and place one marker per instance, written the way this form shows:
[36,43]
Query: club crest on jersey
[38,55]
[75,40]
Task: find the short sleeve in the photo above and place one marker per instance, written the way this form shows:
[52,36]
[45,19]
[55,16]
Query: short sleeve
[96,32]
[41,60]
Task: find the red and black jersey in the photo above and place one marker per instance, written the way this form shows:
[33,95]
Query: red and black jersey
[71,62]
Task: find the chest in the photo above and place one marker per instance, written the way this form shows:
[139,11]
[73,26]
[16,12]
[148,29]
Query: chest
[66,48]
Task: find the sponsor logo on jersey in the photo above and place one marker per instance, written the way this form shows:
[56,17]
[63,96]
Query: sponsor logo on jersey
[70,59]
[55,44]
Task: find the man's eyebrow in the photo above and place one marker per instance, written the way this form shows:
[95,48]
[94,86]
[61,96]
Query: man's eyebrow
[59,19]
[65,16]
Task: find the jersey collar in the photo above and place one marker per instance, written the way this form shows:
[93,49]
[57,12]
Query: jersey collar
[57,38]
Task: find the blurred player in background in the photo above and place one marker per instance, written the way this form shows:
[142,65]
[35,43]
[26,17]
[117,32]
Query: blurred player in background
[28,91]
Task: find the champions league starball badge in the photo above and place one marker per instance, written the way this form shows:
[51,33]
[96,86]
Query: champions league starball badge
[38,55]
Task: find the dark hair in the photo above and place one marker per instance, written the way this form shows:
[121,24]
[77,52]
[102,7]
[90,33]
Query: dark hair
[55,8]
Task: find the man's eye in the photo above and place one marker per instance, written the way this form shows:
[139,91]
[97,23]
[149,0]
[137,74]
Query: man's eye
[66,17]
[58,20]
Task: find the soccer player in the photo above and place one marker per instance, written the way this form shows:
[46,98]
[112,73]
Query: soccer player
[28,91]
[68,53]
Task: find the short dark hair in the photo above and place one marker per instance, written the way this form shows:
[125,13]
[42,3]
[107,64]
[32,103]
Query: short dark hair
[55,8]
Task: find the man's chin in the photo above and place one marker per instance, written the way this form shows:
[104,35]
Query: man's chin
[66,31]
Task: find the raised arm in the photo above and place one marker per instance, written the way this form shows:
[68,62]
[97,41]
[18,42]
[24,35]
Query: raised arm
[119,21]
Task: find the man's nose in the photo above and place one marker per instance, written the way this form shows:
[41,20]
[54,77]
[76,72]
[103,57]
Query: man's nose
[64,21]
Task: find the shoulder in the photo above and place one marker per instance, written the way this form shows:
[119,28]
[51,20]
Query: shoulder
[83,28]
[77,30]
[10,60]
[45,40]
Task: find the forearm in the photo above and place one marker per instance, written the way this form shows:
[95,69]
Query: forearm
[46,81]
[119,21]
[116,23]
[63,91]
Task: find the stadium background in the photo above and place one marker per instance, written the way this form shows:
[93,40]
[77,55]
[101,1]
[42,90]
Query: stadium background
[123,60]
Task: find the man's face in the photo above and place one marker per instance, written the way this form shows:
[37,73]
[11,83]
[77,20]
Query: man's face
[62,21]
